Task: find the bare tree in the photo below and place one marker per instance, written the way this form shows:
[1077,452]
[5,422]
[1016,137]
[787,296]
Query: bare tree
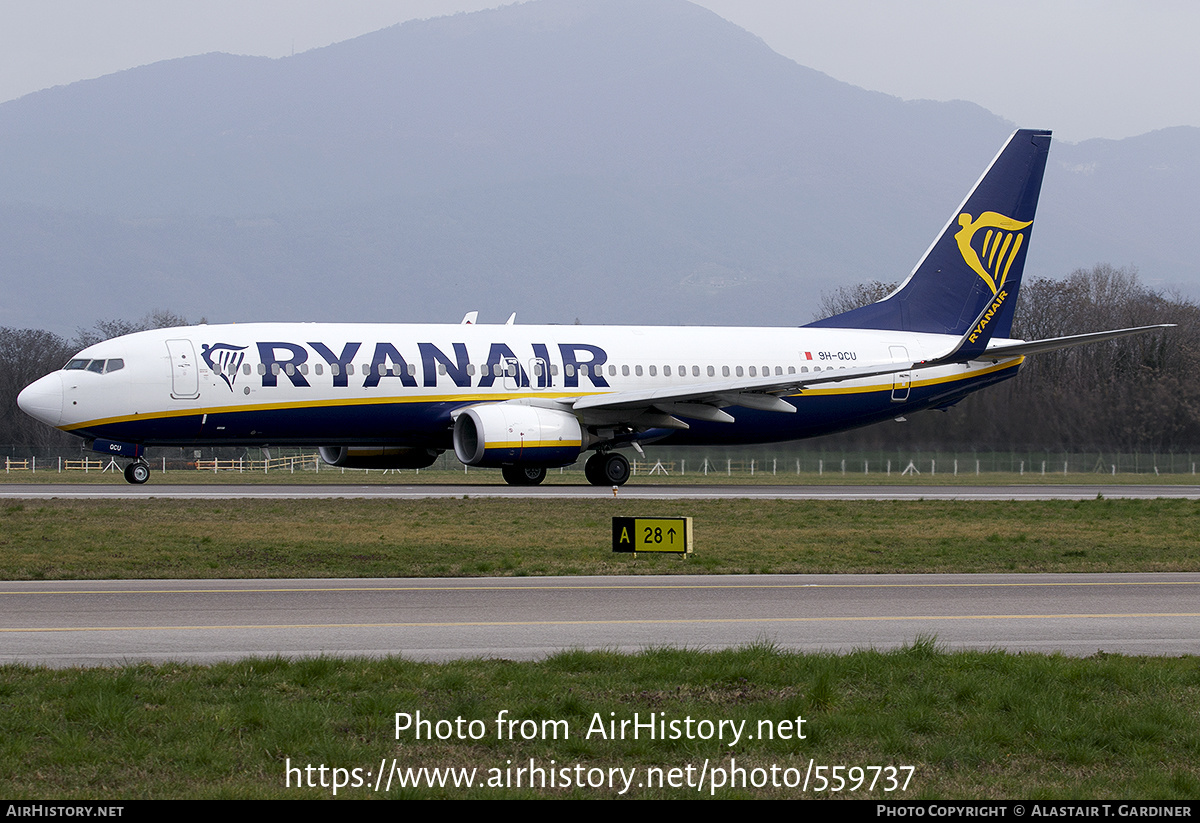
[1137,393]
[844,298]
[108,329]
[26,355]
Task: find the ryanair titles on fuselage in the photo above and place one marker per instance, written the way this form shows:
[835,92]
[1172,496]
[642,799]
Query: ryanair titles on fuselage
[367,365]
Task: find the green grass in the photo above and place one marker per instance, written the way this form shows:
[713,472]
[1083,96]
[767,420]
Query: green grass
[973,724]
[95,539]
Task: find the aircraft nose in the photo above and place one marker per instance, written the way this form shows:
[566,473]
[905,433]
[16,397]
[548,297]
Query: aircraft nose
[43,399]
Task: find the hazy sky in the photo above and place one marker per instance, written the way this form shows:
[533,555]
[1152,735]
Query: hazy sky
[1085,68]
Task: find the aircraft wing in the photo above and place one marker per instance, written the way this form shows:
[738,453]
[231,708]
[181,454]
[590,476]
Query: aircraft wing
[705,400]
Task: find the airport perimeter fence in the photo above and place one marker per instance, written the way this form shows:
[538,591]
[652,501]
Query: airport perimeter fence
[855,466]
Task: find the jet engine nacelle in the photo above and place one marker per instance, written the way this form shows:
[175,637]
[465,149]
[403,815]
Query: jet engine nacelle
[378,457]
[512,434]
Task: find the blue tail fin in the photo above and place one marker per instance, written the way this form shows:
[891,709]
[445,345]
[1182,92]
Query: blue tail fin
[969,277]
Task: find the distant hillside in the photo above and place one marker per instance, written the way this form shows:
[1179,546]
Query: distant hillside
[609,160]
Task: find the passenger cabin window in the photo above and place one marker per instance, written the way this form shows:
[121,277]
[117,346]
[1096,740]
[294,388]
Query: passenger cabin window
[624,371]
[753,371]
[245,368]
[637,370]
[654,371]
[738,371]
[724,371]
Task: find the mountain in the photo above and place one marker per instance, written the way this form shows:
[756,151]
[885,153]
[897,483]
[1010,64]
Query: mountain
[625,161]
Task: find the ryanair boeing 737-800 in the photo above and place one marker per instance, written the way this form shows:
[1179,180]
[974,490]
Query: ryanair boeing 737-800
[528,398]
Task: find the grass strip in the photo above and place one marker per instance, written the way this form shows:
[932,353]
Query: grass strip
[972,724]
[97,539]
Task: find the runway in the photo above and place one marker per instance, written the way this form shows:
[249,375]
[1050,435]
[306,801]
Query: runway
[89,623]
[120,490]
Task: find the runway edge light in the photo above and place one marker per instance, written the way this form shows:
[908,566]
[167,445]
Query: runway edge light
[652,534]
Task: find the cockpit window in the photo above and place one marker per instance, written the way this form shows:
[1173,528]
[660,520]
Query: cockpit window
[97,366]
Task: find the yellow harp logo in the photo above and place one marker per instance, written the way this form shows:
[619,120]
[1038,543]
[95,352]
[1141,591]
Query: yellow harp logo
[992,257]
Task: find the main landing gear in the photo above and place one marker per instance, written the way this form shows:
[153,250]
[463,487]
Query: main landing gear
[137,472]
[523,475]
[606,469]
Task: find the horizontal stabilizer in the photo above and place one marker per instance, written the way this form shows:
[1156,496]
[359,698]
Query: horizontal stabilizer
[1055,343]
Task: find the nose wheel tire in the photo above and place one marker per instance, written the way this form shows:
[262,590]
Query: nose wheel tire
[606,469]
[523,475]
[137,473]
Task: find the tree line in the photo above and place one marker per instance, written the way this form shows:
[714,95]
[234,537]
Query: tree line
[1135,394]
[27,354]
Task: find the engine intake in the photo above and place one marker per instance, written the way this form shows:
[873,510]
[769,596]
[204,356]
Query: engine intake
[511,434]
